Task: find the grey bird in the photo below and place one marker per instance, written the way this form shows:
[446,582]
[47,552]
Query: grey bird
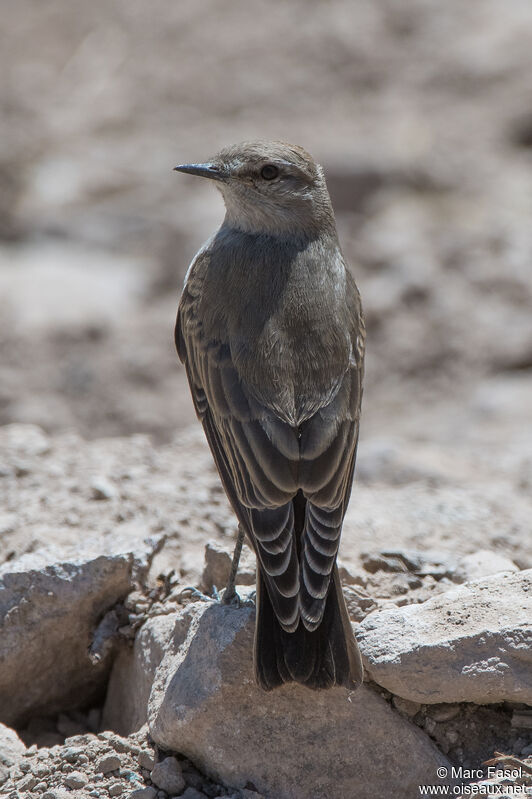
[271,333]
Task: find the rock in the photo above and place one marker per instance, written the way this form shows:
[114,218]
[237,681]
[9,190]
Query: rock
[75,780]
[143,793]
[442,712]
[482,564]
[11,747]
[359,603]
[192,793]
[206,705]
[470,644]
[167,775]
[102,489]
[115,789]
[218,566]
[126,704]
[350,576]
[146,759]
[406,707]
[107,763]
[49,608]
[435,564]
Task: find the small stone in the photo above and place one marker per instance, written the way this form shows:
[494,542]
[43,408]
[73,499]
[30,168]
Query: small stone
[107,763]
[102,489]
[526,750]
[115,789]
[406,707]
[358,602]
[443,712]
[167,775]
[146,759]
[71,754]
[75,780]
[40,770]
[118,743]
[452,736]
[143,793]
[482,564]
[28,783]
[41,787]
[192,793]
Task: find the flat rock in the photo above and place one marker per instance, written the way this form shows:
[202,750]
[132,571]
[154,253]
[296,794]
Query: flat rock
[482,564]
[50,605]
[11,747]
[217,567]
[470,644]
[298,743]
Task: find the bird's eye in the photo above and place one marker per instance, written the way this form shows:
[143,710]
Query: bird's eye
[269,172]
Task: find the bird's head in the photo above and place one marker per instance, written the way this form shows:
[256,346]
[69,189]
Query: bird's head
[269,187]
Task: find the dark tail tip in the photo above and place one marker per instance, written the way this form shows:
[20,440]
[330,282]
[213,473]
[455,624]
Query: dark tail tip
[319,659]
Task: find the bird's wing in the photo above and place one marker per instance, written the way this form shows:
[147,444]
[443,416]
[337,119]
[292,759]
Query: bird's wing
[328,452]
[255,452]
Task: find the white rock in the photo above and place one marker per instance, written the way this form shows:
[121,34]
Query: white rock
[126,705]
[49,606]
[482,564]
[205,704]
[470,644]
[11,747]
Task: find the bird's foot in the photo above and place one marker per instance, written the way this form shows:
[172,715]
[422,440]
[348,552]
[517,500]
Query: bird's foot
[191,591]
[233,599]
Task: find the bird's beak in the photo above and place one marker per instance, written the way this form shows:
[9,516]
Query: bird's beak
[203,170]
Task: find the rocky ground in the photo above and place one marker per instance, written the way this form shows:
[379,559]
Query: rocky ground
[103,540]
[114,680]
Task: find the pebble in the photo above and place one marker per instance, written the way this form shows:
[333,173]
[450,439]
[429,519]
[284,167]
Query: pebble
[41,787]
[526,750]
[28,783]
[76,780]
[444,712]
[192,793]
[118,743]
[146,759]
[143,793]
[107,763]
[40,769]
[405,706]
[167,776]
[101,489]
[115,789]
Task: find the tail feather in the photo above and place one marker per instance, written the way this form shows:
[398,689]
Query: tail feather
[319,658]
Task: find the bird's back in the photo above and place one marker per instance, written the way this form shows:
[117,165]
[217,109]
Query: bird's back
[288,311]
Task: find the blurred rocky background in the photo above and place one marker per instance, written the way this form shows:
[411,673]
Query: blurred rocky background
[421,114]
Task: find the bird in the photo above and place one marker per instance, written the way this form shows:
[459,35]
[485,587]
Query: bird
[271,332]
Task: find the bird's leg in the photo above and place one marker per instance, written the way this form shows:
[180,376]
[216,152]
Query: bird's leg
[230,594]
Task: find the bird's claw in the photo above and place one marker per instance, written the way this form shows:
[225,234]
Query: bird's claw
[235,600]
[196,593]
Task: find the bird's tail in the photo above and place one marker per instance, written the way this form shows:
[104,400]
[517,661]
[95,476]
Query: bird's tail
[319,658]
